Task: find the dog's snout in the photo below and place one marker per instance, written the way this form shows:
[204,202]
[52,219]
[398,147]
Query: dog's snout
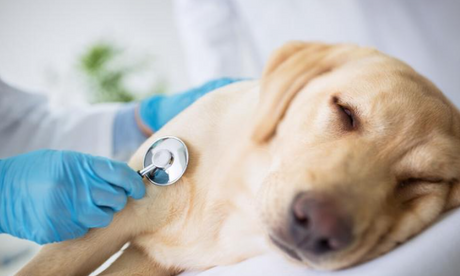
[318,226]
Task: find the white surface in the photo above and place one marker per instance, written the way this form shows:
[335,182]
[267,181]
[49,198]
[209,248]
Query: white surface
[434,252]
[14,254]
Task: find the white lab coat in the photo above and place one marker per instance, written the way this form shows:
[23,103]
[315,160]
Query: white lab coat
[235,37]
[27,122]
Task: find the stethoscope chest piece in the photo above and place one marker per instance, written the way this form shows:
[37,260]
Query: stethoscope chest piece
[165,161]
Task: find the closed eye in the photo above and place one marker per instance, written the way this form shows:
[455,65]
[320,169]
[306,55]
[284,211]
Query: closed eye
[346,114]
[415,180]
[349,114]
[413,188]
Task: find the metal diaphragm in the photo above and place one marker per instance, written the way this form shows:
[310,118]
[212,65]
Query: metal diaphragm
[165,161]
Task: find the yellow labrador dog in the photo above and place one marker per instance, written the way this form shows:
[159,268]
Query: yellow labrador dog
[336,156]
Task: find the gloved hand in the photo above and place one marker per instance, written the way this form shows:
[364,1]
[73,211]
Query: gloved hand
[50,196]
[156,111]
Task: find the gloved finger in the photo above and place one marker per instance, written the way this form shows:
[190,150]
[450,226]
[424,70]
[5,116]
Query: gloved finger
[107,218]
[96,216]
[121,175]
[109,196]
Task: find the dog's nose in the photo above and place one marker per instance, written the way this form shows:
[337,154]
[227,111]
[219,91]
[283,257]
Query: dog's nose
[318,226]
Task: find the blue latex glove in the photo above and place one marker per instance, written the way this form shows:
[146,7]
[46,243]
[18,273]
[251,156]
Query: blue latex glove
[50,196]
[156,111]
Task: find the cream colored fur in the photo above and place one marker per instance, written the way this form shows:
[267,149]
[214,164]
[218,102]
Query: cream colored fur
[255,144]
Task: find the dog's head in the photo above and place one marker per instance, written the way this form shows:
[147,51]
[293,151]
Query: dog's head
[365,153]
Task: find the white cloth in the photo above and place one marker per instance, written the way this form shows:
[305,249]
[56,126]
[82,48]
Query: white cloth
[435,251]
[232,37]
[27,123]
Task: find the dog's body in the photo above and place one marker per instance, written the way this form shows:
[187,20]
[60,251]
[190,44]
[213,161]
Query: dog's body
[197,213]
[252,159]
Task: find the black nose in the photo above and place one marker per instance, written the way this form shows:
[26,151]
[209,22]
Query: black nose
[318,226]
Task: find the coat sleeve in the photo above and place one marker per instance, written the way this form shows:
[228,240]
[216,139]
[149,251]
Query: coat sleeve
[209,35]
[27,122]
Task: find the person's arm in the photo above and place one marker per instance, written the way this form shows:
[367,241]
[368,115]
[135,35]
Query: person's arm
[209,34]
[27,123]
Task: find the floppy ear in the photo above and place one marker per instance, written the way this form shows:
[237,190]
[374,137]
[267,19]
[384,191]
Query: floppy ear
[288,70]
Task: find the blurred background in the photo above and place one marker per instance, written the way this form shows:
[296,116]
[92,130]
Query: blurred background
[67,49]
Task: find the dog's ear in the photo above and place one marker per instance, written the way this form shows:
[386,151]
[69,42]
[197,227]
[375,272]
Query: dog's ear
[288,70]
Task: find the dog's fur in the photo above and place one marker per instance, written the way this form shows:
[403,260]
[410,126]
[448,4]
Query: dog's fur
[255,145]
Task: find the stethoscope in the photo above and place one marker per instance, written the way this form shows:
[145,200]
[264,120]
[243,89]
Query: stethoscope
[165,161]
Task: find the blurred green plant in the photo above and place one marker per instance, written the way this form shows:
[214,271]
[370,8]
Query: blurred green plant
[107,70]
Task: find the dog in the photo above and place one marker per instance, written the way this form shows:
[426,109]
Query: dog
[336,156]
